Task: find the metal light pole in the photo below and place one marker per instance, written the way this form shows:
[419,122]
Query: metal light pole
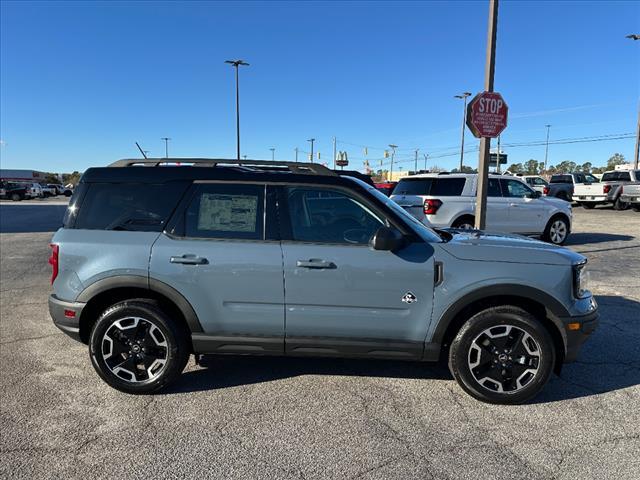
[273,153]
[485,142]
[415,168]
[635,36]
[296,150]
[166,146]
[236,64]
[464,115]
[426,156]
[334,153]
[546,149]
[393,154]
[311,140]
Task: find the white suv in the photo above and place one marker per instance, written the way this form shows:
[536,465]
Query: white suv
[449,200]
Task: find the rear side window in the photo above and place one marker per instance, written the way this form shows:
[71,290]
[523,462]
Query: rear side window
[624,176]
[226,211]
[561,179]
[140,207]
[447,187]
[417,186]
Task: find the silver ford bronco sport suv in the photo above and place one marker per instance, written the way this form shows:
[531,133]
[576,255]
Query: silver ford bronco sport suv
[155,262]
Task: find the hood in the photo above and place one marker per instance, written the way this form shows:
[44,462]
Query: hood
[500,247]
[556,202]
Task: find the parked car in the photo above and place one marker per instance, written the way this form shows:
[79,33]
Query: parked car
[608,191]
[12,191]
[33,190]
[630,194]
[536,182]
[386,187]
[154,263]
[449,200]
[563,185]
[59,189]
[49,190]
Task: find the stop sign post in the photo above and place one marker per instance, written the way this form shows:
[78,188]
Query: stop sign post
[487,115]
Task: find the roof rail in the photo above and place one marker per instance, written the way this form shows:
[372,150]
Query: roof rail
[294,167]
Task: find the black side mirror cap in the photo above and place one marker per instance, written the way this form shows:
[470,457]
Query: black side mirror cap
[387,238]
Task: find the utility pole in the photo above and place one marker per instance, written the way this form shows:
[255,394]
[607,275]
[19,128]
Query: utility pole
[426,156]
[166,146]
[334,153]
[393,154]
[236,64]
[635,162]
[273,153]
[415,168]
[311,140]
[546,149]
[485,142]
[498,157]
[464,116]
[296,150]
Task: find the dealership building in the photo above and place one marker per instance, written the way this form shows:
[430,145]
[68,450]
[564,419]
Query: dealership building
[22,175]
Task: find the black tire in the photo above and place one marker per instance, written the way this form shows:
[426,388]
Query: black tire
[620,205]
[636,209]
[464,353]
[174,354]
[588,206]
[563,196]
[16,197]
[466,222]
[553,233]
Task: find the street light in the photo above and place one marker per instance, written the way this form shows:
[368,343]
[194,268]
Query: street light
[546,149]
[311,140]
[273,153]
[166,146]
[236,64]
[393,154]
[464,115]
[635,36]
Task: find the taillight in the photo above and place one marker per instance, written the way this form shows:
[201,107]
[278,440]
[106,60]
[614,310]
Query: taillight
[53,261]
[621,189]
[545,190]
[431,206]
[606,188]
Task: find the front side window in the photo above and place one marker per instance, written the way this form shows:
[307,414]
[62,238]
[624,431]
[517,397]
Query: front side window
[539,181]
[493,188]
[226,211]
[329,216]
[514,188]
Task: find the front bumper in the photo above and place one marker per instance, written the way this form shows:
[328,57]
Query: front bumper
[66,316]
[576,337]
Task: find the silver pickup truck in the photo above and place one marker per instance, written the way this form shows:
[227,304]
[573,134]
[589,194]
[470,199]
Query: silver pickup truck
[607,191]
[630,194]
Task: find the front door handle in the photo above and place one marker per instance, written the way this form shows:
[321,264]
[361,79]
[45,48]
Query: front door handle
[514,205]
[315,263]
[189,259]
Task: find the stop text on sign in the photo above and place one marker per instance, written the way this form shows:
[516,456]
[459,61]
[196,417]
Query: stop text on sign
[487,114]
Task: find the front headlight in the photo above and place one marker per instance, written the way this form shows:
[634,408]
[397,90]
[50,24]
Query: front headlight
[581,279]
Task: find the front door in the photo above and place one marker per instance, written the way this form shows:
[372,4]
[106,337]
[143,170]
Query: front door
[525,211]
[342,297]
[221,260]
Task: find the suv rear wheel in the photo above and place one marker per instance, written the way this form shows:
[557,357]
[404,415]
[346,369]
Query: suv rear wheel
[502,355]
[136,348]
[466,222]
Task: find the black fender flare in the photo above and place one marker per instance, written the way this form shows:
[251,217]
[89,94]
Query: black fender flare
[138,281]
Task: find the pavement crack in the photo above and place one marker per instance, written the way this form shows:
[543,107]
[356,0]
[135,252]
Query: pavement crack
[17,340]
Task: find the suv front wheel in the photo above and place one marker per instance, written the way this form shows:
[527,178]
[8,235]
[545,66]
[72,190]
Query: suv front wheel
[502,355]
[136,348]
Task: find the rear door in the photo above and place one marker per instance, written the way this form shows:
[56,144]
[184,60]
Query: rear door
[221,257]
[497,208]
[342,297]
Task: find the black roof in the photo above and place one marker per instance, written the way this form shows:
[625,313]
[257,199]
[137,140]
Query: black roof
[161,170]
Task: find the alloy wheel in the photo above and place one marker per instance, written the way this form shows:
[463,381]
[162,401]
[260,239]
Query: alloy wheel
[504,359]
[558,231]
[134,349]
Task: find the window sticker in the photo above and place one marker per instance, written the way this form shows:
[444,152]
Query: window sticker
[228,213]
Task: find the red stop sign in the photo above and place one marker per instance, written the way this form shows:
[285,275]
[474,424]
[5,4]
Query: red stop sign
[487,115]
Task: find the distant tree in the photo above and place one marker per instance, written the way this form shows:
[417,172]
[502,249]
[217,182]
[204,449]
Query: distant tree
[51,178]
[465,169]
[585,167]
[566,167]
[73,178]
[516,168]
[532,167]
[616,159]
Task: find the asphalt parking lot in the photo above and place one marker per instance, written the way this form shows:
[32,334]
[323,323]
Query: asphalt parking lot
[305,418]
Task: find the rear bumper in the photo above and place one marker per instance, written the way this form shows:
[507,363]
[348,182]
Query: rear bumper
[66,316]
[576,337]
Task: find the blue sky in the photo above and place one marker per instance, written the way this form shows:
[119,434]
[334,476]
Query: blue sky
[81,82]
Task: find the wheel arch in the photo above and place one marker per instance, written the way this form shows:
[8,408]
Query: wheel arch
[540,304]
[464,215]
[103,293]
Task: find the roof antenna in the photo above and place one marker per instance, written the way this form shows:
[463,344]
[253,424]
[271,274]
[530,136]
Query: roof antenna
[141,151]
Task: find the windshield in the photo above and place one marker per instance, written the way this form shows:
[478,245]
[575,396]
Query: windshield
[425,232]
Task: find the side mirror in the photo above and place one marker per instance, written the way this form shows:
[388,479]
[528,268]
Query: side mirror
[388,239]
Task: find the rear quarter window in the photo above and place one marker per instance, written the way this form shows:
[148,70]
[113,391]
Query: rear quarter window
[141,207]
[448,187]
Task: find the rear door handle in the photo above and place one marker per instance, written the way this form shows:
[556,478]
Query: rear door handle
[315,263]
[189,259]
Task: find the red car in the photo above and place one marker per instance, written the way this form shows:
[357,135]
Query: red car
[386,187]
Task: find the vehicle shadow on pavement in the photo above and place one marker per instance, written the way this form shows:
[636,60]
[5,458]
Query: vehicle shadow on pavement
[582,238]
[608,362]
